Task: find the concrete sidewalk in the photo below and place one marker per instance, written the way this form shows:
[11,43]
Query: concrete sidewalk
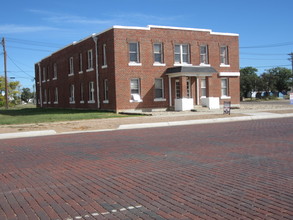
[158,119]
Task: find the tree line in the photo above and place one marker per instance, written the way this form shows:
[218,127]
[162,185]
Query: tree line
[273,80]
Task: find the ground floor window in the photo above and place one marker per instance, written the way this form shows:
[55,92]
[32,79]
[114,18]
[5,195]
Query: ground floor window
[224,87]
[91,92]
[159,88]
[177,89]
[71,92]
[56,96]
[106,90]
[81,93]
[188,89]
[135,90]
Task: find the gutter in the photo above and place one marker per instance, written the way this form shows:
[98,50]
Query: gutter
[95,38]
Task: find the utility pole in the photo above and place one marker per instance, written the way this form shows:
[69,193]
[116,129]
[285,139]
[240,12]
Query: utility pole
[5,72]
[291,59]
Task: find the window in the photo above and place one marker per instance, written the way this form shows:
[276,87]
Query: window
[106,91]
[135,90]
[81,93]
[177,89]
[56,96]
[181,54]
[80,63]
[71,92]
[71,69]
[90,59]
[224,55]
[134,52]
[224,87]
[158,53]
[49,96]
[45,96]
[159,89]
[188,93]
[104,56]
[91,92]
[203,86]
[55,71]
[44,74]
[204,54]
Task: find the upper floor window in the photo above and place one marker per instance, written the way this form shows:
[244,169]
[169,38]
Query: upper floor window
[44,74]
[71,68]
[134,52]
[158,53]
[181,54]
[80,63]
[104,56]
[224,55]
[55,71]
[90,65]
[204,54]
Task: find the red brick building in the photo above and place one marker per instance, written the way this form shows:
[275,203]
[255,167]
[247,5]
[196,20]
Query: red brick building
[142,68]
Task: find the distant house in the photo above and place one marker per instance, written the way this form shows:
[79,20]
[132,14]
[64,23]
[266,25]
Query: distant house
[141,68]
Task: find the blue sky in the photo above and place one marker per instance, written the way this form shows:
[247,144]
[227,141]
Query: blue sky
[34,29]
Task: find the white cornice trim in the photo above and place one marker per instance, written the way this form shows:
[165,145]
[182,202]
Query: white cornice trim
[229,74]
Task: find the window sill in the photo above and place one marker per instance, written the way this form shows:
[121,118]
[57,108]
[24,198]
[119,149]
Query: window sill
[73,102]
[159,64]
[203,97]
[104,66]
[224,65]
[106,101]
[159,100]
[182,64]
[80,72]
[55,102]
[81,102]
[135,100]
[205,64]
[43,81]
[91,101]
[54,78]
[134,64]
[90,70]
[48,80]
[71,74]
[225,97]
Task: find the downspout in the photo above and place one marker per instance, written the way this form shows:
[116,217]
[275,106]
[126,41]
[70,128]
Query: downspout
[40,85]
[170,92]
[95,38]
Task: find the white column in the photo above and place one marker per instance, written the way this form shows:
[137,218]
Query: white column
[197,91]
[170,92]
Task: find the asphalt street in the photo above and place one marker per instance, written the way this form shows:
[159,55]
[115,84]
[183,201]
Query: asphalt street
[236,170]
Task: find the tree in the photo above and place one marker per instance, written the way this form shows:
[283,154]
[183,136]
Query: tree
[277,79]
[13,91]
[26,94]
[248,81]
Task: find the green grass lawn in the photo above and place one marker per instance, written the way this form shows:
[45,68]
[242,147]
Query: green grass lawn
[27,115]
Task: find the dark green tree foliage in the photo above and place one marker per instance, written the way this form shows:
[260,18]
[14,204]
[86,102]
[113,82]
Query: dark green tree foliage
[26,95]
[249,80]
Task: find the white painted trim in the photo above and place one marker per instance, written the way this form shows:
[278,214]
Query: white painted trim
[224,65]
[134,64]
[170,92]
[159,64]
[159,100]
[229,74]
[225,97]
[205,64]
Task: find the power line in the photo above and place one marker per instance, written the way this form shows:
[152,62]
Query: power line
[32,49]
[268,45]
[264,54]
[19,67]
[258,59]
[34,43]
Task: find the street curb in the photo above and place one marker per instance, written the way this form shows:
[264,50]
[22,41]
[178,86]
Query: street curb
[27,134]
[203,121]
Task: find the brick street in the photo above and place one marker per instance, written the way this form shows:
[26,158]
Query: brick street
[239,170]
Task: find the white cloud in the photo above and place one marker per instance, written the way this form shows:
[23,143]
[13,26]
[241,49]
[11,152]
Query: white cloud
[13,28]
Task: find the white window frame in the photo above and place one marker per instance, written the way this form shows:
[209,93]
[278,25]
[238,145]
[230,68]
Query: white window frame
[81,93]
[181,54]
[80,63]
[177,89]
[204,55]
[135,96]
[106,91]
[188,88]
[54,71]
[56,95]
[44,74]
[104,56]
[71,94]
[49,96]
[91,92]
[90,61]
[225,95]
[71,66]
[203,87]
[160,52]
[224,56]
[45,96]
[135,62]
[159,99]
